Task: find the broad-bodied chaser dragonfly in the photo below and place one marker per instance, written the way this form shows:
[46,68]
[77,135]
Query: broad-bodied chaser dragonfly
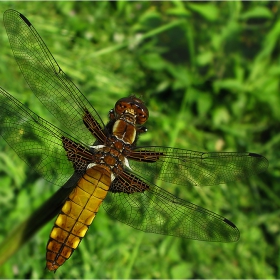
[112,170]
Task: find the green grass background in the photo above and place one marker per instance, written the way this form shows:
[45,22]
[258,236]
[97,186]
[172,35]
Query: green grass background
[210,76]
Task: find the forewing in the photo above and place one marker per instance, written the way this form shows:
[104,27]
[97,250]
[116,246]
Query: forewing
[158,211]
[185,167]
[35,140]
[46,79]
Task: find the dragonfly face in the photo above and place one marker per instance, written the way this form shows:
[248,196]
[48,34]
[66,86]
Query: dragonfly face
[114,166]
[134,105]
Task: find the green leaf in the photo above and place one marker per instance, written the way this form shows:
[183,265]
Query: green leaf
[270,43]
[204,58]
[204,103]
[178,11]
[257,12]
[207,11]
[230,84]
[153,61]
[182,270]
[220,116]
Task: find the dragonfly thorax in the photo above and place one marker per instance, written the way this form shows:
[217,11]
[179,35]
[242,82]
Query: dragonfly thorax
[110,156]
[124,130]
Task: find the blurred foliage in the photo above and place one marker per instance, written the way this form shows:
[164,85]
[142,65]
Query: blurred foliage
[209,73]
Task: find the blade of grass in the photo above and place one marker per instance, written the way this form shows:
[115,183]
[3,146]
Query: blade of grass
[138,40]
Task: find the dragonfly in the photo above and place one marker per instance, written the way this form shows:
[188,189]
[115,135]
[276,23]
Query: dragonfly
[110,168]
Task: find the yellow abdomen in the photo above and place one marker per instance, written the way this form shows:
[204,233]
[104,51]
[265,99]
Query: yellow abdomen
[77,215]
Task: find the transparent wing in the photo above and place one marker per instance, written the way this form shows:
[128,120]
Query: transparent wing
[46,79]
[158,211]
[35,140]
[190,168]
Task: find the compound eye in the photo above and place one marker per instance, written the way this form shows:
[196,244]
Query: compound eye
[141,117]
[120,107]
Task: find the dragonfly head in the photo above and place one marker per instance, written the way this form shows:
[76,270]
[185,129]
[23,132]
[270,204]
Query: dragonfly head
[134,106]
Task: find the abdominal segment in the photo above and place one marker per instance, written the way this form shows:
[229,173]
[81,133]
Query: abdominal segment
[77,214]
